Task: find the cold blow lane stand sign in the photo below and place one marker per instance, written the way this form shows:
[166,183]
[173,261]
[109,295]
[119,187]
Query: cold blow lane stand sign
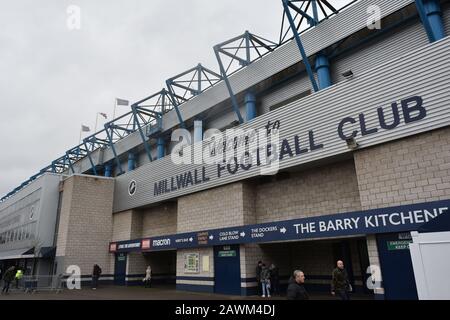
[384,220]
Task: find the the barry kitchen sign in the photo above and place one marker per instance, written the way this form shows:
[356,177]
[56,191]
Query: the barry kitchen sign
[386,220]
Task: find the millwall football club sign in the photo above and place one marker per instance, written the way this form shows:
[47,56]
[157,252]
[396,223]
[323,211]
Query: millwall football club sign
[236,152]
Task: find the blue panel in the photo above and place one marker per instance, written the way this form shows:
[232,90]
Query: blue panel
[396,269]
[383,220]
[227,270]
[120,269]
[195,288]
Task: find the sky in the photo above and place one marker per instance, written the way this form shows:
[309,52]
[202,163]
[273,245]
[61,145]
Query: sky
[54,76]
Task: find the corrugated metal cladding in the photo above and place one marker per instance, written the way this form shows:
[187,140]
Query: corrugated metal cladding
[325,34]
[375,53]
[422,72]
[446,16]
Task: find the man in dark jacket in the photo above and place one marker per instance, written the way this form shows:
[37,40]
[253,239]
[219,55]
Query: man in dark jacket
[8,277]
[258,277]
[340,285]
[274,279]
[296,289]
[96,272]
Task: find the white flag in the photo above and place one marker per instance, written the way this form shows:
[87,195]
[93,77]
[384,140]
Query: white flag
[121,102]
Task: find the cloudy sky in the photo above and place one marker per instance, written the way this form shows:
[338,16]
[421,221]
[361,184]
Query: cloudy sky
[53,79]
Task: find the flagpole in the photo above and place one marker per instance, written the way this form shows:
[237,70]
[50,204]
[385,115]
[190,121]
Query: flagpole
[81,131]
[96,122]
[114,110]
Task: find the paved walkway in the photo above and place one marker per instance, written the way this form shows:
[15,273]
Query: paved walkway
[137,293]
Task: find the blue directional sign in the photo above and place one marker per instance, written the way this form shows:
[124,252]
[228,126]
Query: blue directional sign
[385,220]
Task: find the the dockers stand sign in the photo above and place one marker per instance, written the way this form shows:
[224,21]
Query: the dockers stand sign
[386,220]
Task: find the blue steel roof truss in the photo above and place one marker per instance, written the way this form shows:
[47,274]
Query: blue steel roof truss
[148,112]
[240,52]
[191,83]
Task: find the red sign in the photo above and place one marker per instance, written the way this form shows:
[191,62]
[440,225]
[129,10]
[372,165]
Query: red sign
[145,244]
[113,247]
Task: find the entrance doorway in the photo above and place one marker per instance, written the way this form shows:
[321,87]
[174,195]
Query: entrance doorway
[164,268]
[317,259]
[120,269]
[396,266]
[227,270]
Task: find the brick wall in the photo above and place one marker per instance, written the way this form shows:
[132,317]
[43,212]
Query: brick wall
[127,225]
[85,226]
[185,278]
[160,220]
[412,170]
[136,264]
[216,208]
[325,190]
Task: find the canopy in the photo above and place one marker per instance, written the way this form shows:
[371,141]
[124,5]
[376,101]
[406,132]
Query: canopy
[16,254]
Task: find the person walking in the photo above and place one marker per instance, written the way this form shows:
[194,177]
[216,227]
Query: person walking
[265,281]
[8,277]
[96,272]
[148,277]
[274,279]
[18,277]
[340,285]
[296,289]
[258,277]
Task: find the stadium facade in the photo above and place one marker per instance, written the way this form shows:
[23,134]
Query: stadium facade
[363,159]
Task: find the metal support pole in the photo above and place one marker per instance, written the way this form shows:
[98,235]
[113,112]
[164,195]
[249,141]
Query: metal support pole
[175,104]
[111,144]
[141,133]
[70,163]
[108,170]
[228,84]
[315,12]
[300,46]
[161,147]
[198,131]
[431,16]
[434,13]
[94,170]
[131,161]
[250,105]
[323,71]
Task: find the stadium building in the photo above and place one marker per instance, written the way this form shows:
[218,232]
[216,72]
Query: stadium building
[361,112]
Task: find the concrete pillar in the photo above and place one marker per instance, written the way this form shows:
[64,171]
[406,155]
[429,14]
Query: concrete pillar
[323,71]
[250,106]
